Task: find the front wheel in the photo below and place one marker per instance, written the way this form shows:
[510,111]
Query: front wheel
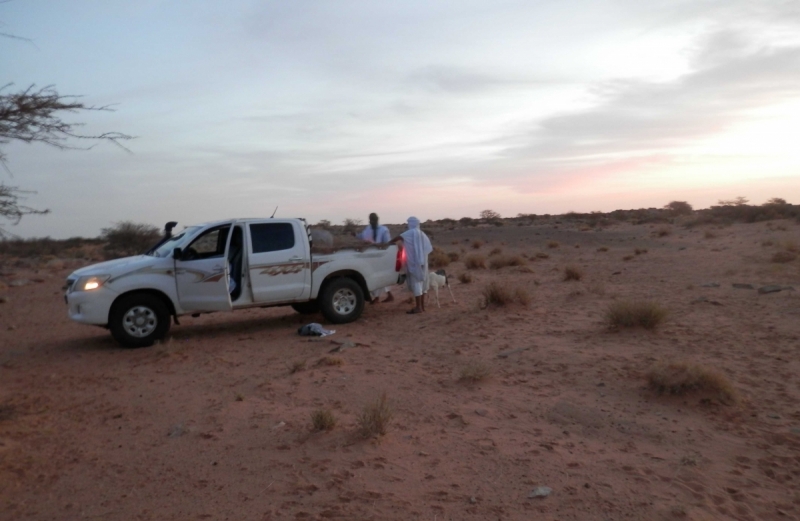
[342,301]
[139,320]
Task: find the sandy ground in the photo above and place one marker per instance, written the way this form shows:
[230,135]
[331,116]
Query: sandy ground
[212,424]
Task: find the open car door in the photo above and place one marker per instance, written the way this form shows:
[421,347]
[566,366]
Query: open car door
[202,276]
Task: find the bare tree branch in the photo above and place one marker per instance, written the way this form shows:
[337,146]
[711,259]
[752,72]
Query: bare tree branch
[34,115]
[11,207]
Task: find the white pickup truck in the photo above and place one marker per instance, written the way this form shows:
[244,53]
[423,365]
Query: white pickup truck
[223,266]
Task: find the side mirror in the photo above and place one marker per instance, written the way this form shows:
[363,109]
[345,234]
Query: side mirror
[176,253]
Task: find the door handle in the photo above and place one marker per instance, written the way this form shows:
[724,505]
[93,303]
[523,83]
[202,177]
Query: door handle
[295,258]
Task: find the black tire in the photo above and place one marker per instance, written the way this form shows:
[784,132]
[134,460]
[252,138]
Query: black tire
[306,308]
[342,301]
[138,320]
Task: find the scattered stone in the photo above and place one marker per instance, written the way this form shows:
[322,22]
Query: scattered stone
[742,286]
[3,300]
[774,416]
[711,285]
[279,425]
[19,283]
[506,354]
[682,248]
[763,290]
[601,384]
[481,412]
[540,492]
[617,273]
[473,500]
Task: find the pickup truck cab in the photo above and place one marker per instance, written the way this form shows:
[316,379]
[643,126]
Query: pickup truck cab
[224,266]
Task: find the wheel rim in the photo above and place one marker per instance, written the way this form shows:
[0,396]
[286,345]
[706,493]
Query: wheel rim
[140,321]
[344,301]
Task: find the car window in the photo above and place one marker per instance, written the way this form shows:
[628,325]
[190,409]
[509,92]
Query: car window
[266,237]
[210,244]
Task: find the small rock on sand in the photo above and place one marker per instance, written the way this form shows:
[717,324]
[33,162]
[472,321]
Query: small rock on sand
[763,290]
[19,283]
[742,286]
[540,492]
[711,285]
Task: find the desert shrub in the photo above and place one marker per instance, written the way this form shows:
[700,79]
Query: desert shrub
[602,249]
[791,246]
[323,420]
[525,269]
[682,378]
[496,251]
[522,296]
[542,255]
[375,417]
[474,372]
[465,277]
[500,295]
[506,260]
[710,235]
[627,257]
[128,238]
[476,244]
[662,232]
[783,256]
[475,262]
[639,251]
[638,313]
[767,243]
[454,256]
[297,366]
[679,208]
[438,259]
[552,244]
[351,226]
[573,273]
[497,294]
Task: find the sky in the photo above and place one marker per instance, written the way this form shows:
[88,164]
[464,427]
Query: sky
[332,110]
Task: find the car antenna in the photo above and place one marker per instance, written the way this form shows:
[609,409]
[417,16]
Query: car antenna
[273,213]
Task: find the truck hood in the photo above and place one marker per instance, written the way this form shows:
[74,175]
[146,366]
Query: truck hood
[116,267]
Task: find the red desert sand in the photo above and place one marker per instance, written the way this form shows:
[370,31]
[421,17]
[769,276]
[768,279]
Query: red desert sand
[535,409]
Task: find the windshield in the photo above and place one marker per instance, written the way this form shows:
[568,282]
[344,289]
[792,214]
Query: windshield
[176,241]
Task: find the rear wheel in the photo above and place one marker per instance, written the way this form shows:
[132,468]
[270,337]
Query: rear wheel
[342,301]
[138,320]
[306,308]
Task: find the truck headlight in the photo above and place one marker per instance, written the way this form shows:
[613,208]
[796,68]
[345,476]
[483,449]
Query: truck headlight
[90,282]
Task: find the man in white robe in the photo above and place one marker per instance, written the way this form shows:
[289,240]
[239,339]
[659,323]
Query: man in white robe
[417,246]
[378,234]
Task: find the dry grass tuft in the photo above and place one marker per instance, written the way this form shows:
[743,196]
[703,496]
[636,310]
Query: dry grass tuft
[497,294]
[522,296]
[454,256]
[553,244]
[438,259]
[710,235]
[627,257]
[542,255]
[330,361]
[637,313]
[525,269]
[663,232]
[375,417]
[496,251]
[503,261]
[476,244]
[783,256]
[767,243]
[465,277]
[791,246]
[474,372]
[682,378]
[602,249]
[323,420]
[573,273]
[297,366]
[475,262]
[639,251]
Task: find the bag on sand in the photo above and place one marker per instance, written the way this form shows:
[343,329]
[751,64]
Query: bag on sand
[314,329]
